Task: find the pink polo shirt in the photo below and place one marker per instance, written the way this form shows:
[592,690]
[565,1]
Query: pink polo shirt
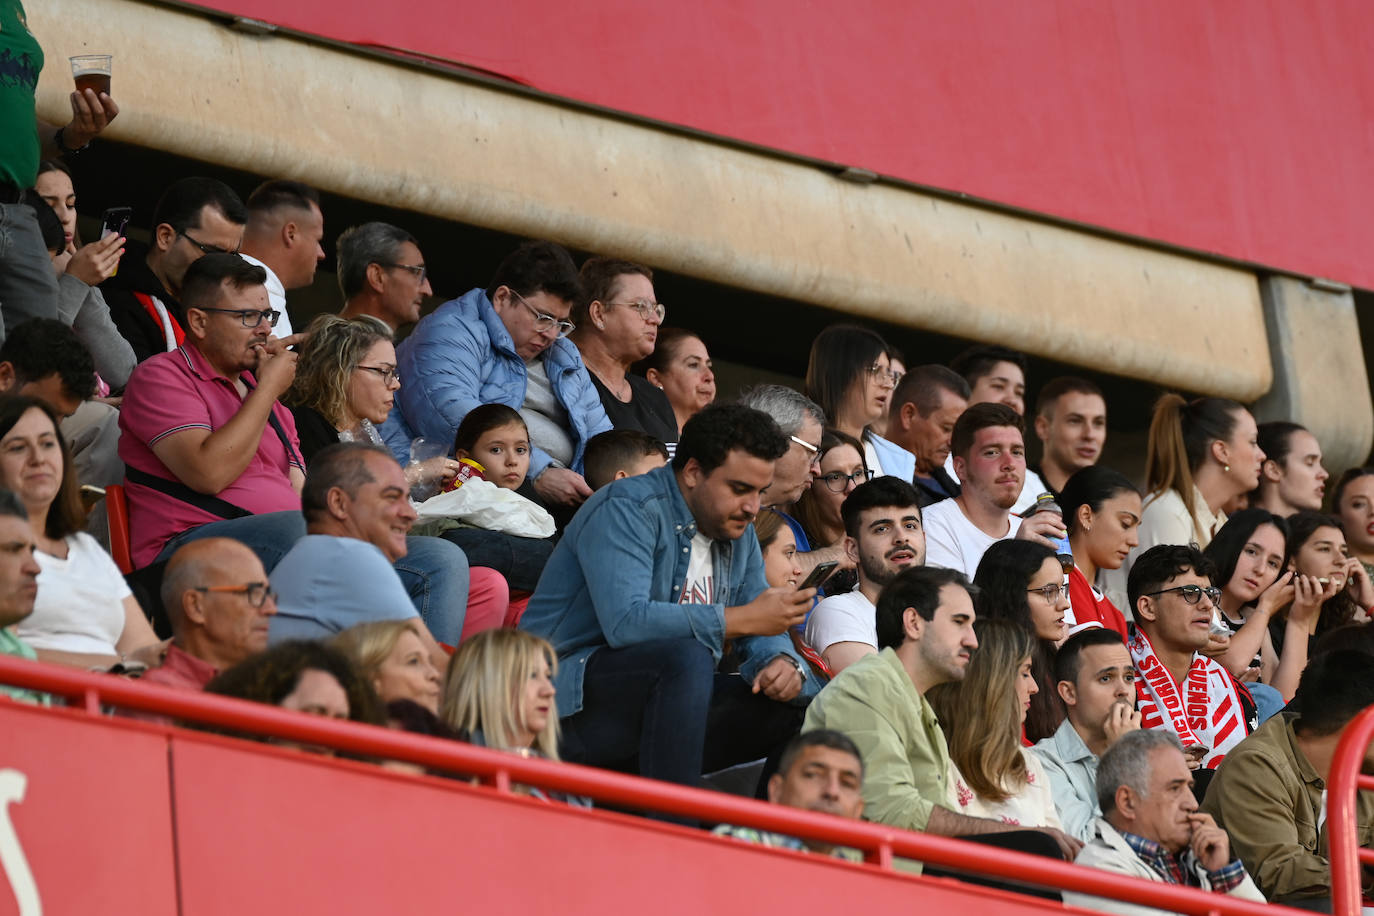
[180,390]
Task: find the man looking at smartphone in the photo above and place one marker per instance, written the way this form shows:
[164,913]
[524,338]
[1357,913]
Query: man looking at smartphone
[1150,826]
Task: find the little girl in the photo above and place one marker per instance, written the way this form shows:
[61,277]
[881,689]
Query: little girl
[495,437]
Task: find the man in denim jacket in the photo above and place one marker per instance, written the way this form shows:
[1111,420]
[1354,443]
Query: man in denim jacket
[653,579]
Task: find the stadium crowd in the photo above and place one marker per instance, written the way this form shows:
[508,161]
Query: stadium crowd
[531,523]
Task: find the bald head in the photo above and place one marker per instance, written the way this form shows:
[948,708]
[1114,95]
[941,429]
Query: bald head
[209,589]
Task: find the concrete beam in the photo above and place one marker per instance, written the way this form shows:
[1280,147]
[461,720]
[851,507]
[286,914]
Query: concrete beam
[1320,378]
[394,134]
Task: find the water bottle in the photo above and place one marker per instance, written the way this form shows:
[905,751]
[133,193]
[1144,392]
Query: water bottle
[1045,503]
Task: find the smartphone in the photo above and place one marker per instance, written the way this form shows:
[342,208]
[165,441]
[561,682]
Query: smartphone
[818,575]
[112,222]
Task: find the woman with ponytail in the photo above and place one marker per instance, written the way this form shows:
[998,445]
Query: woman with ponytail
[1200,455]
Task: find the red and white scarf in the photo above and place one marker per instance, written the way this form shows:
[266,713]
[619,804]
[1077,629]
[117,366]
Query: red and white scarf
[1209,710]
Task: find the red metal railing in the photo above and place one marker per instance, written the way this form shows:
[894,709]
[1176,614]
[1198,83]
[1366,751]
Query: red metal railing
[89,692]
[1343,784]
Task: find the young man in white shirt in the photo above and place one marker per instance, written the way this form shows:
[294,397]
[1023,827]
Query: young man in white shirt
[990,461]
[883,536]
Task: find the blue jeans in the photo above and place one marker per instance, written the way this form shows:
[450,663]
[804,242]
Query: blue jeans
[28,287]
[435,573]
[663,702]
[269,535]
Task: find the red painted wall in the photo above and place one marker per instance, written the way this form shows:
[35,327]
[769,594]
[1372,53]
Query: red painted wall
[1241,127]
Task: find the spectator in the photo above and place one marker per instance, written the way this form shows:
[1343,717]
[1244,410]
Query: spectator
[780,570]
[1071,423]
[1182,690]
[1269,794]
[842,469]
[26,282]
[850,376]
[220,606]
[681,366]
[1150,827]
[1317,551]
[996,375]
[620,453]
[982,716]
[1353,503]
[282,237]
[1102,514]
[44,360]
[495,436]
[1249,553]
[505,345]
[85,614]
[925,406]
[304,676]
[193,218]
[1095,678]
[18,588]
[392,655]
[990,462]
[346,569]
[821,771]
[382,274]
[80,270]
[649,581]
[883,536]
[617,318]
[1200,455]
[1292,477]
[925,628]
[801,421]
[1023,582]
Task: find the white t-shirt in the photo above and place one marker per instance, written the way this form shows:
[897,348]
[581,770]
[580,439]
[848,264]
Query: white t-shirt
[80,606]
[699,587]
[1030,489]
[276,297]
[842,618]
[953,542]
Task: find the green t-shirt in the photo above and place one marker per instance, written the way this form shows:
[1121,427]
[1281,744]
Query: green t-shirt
[13,645]
[21,60]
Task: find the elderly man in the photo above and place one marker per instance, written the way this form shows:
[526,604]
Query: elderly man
[506,345]
[1150,826]
[650,581]
[382,274]
[282,237]
[18,586]
[193,218]
[925,406]
[821,771]
[220,606]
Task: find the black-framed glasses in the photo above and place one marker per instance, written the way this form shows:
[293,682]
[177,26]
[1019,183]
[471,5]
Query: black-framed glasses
[543,322]
[838,482]
[649,311]
[204,248]
[1192,594]
[419,270]
[257,593]
[388,375]
[1052,592]
[250,318]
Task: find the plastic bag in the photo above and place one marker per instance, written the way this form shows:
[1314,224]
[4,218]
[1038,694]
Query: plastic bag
[482,504]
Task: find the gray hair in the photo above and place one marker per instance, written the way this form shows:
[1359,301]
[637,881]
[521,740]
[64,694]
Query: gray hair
[10,505]
[1127,763]
[370,243]
[788,408]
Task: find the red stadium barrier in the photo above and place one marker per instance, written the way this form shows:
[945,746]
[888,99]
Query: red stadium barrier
[133,816]
[1343,782]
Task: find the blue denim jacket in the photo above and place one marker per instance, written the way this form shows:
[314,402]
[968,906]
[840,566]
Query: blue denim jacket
[614,579]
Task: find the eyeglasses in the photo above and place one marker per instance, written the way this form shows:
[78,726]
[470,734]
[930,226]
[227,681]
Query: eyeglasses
[543,322]
[838,482]
[388,375]
[813,449]
[251,318]
[204,248]
[419,270]
[1192,594]
[1051,593]
[883,375]
[649,311]
[257,593]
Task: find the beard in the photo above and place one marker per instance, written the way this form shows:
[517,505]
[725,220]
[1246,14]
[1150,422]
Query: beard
[875,570]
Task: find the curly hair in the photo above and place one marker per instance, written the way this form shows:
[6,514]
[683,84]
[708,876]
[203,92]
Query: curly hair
[270,677]
[333,349]
[722,428]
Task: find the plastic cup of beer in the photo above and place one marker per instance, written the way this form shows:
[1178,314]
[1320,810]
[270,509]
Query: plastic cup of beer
[92,71]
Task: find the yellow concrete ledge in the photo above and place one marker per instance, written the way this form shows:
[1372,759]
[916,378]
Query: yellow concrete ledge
[388,133]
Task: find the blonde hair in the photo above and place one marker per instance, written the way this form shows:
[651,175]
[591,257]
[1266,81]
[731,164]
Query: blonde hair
[1180,437]
[333,349]
[979,714]
[369,645]
[485,682]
